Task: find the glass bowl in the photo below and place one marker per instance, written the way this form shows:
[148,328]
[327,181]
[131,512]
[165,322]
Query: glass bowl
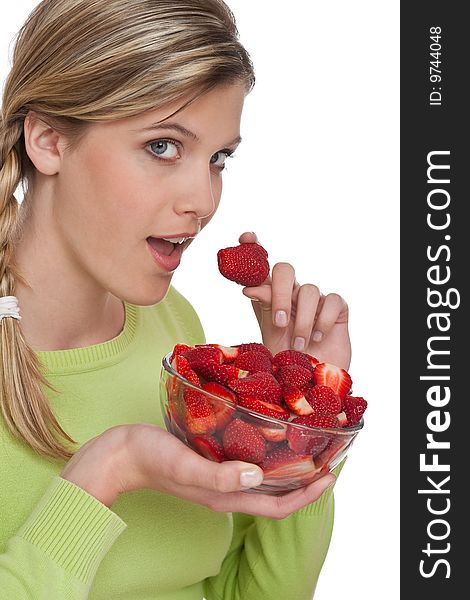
[291,455]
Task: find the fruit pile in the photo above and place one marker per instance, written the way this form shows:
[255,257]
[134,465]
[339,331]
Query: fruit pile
[292,387]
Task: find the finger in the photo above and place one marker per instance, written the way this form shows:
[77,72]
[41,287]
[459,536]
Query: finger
[282,285]
[261,294]
[333,310]
[249,237]
[191,469]
[308,297]
[274,507]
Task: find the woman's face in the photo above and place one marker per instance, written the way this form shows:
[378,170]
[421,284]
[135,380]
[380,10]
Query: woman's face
[132,182]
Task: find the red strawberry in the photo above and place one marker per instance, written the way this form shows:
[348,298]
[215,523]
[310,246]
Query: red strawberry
[179,349]
[199,417]
[334,377]
[201,355]
[181,365]
[265,408]
[229,353]
[209,447]
[255,347]
[354,407]
[263,386]
[304,441]
[294,374]
[223,412]
[253,362]
[273,433]
[291,357]
[246,264]
[313,361]
[243,441]
[283,463]
[296,401]
[221,373]
[323,400]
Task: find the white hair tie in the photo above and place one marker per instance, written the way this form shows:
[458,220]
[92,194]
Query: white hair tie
[9,307]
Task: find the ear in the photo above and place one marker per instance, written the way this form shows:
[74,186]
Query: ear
[42,144]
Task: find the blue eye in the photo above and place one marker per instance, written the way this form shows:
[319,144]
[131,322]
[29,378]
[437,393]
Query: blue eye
[218,159]
[164,149]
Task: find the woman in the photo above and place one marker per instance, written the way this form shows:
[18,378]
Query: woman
[118,118]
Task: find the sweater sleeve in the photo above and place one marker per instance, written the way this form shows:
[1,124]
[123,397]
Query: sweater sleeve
[57,551]
[270,559]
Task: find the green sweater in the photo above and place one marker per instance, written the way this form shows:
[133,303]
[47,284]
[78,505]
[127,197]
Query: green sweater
[59,543]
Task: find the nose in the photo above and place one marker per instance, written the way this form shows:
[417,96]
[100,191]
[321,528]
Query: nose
[197,194]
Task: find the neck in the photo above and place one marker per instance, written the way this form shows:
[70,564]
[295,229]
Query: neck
[61,306]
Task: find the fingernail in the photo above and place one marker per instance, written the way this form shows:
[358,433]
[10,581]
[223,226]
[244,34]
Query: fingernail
[299,344]
[317,336]
[281,318]
[251,478]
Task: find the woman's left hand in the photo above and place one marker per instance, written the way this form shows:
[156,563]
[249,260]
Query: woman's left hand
[312,323]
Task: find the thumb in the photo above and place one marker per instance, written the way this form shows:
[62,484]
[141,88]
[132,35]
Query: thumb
[227,476]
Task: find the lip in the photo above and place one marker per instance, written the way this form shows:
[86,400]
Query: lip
[175,235]
[169,263]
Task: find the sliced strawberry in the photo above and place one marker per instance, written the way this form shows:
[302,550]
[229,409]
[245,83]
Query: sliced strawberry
[265,408]
[342,419]
[242,441]
[199,416]
[291,357]
[221,373]
[253,362]
[354,407]
[334,377]
[209,447]
[230,353]
[294,374]
[179,349]
[323,400]
[263,386]
[181,365]
[246,264]
[296,401]
[273,433]
[202,355]
[282,462]
[304,441]
[223,412]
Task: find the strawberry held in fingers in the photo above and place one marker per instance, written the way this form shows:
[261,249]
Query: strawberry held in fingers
[246,264]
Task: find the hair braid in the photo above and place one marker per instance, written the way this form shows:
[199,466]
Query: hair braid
[23,402]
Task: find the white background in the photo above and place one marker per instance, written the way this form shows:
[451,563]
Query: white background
[316,177]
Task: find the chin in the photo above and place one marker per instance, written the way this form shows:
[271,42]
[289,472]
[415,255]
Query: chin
[145,295]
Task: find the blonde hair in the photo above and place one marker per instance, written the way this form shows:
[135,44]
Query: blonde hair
[76,62]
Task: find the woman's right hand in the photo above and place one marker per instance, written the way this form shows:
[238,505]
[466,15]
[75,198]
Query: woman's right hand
[142,456]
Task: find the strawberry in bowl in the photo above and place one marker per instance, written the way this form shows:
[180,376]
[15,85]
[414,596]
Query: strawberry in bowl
[290,414]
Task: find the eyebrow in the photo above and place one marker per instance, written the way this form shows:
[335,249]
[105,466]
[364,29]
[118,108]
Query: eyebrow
[177,127]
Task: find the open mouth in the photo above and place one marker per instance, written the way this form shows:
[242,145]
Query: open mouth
[167,246]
